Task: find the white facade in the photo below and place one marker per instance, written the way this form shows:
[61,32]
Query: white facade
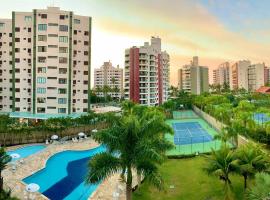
[110,76]
[256,76]
[147,70]
[51,62]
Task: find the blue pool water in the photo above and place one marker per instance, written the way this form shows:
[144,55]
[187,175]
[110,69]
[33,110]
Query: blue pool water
[63,177]
[190,133]
[261,117]
[26,151]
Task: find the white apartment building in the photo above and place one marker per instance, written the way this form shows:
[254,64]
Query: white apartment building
[110,76]
[147,70]
[221,74]
[193,78]
[45,61]
[256,77]
[249,76]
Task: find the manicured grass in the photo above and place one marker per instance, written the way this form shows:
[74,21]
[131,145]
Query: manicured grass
[190,183]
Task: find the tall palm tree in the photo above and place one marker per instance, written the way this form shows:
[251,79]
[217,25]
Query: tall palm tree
[222,163]
[261,189]
[132,143]
[4,159]
[223,136]
[251,159]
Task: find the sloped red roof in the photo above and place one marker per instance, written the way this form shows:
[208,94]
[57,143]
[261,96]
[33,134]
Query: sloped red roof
[264,89]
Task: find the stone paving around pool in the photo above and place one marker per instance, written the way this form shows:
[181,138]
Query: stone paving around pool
[13,178]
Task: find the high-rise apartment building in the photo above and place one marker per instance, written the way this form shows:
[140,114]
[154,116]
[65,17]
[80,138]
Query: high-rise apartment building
[147,71]
[110,76]
[239,74]
[45,62]
[193,78]
[221,74]
[249,76]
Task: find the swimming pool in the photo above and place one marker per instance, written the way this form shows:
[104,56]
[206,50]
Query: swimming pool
[26,151]
[64,175]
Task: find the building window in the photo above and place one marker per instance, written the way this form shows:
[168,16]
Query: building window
[62,70]
[52,35]
[85,73]
[63,28]
[42,38]
[42,49]
[28,18]
[44,16]
[41,100]
[17,39]
[2,25]
[41,90]
[62,110]
[62,91]
[41,70]
[17,29]
[52,46]
[86,43]
[42,27]
[41,80]
[52,24]
[86,33]
[62,81]
[62,17]
[41,59]
[63,39]
[62,60]
[63,49]
[77,21]
[62,100]
[40,110]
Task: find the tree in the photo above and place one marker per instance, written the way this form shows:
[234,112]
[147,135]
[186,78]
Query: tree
[4,159]
[251,159]
[132,143]
[261,190]
[173,91]
[222,163]
[223,136]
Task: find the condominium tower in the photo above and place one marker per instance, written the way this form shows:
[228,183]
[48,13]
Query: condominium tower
[147,71]
[110,76]
[221,74]
[193,78]
[245,75]
[45,62]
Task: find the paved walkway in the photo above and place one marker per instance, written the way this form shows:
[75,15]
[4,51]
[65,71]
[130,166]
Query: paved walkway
[111,188]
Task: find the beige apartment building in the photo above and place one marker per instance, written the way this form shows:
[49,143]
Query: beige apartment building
[45,61]
[221,74]
[193,78]
[147,70]
[249,76]
[110,76]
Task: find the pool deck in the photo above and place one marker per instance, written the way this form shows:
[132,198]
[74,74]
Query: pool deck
[36,162]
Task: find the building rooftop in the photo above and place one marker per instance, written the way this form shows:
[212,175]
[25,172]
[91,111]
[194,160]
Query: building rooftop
[264,90]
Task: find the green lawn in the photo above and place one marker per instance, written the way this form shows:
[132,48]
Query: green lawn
[190,183]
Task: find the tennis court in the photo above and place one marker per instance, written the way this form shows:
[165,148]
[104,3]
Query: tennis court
[261,118]
[190,132]
[191,135]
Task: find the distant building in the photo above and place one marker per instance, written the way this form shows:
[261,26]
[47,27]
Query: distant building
[110,76]
[245,75]
[45,61]
[147,70]
[263,90]
[221,75]
[193,78]
[266,75]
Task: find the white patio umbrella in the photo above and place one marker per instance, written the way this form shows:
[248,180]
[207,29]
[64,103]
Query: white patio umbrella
[54,137]
[32,187]
[15,155]
[81,134]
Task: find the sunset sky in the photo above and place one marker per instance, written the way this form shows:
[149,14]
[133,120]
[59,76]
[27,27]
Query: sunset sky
[214,30]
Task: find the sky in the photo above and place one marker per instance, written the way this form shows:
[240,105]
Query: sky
[215,30]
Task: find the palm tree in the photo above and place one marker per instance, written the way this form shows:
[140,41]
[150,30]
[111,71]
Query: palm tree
[261,190]
[222,163]
[132,143]
[4,159]
[251,159]
[223,136]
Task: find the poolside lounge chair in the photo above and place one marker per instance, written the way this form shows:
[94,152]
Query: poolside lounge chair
[74,139]
[47,142]
[13,168]
[21,161]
